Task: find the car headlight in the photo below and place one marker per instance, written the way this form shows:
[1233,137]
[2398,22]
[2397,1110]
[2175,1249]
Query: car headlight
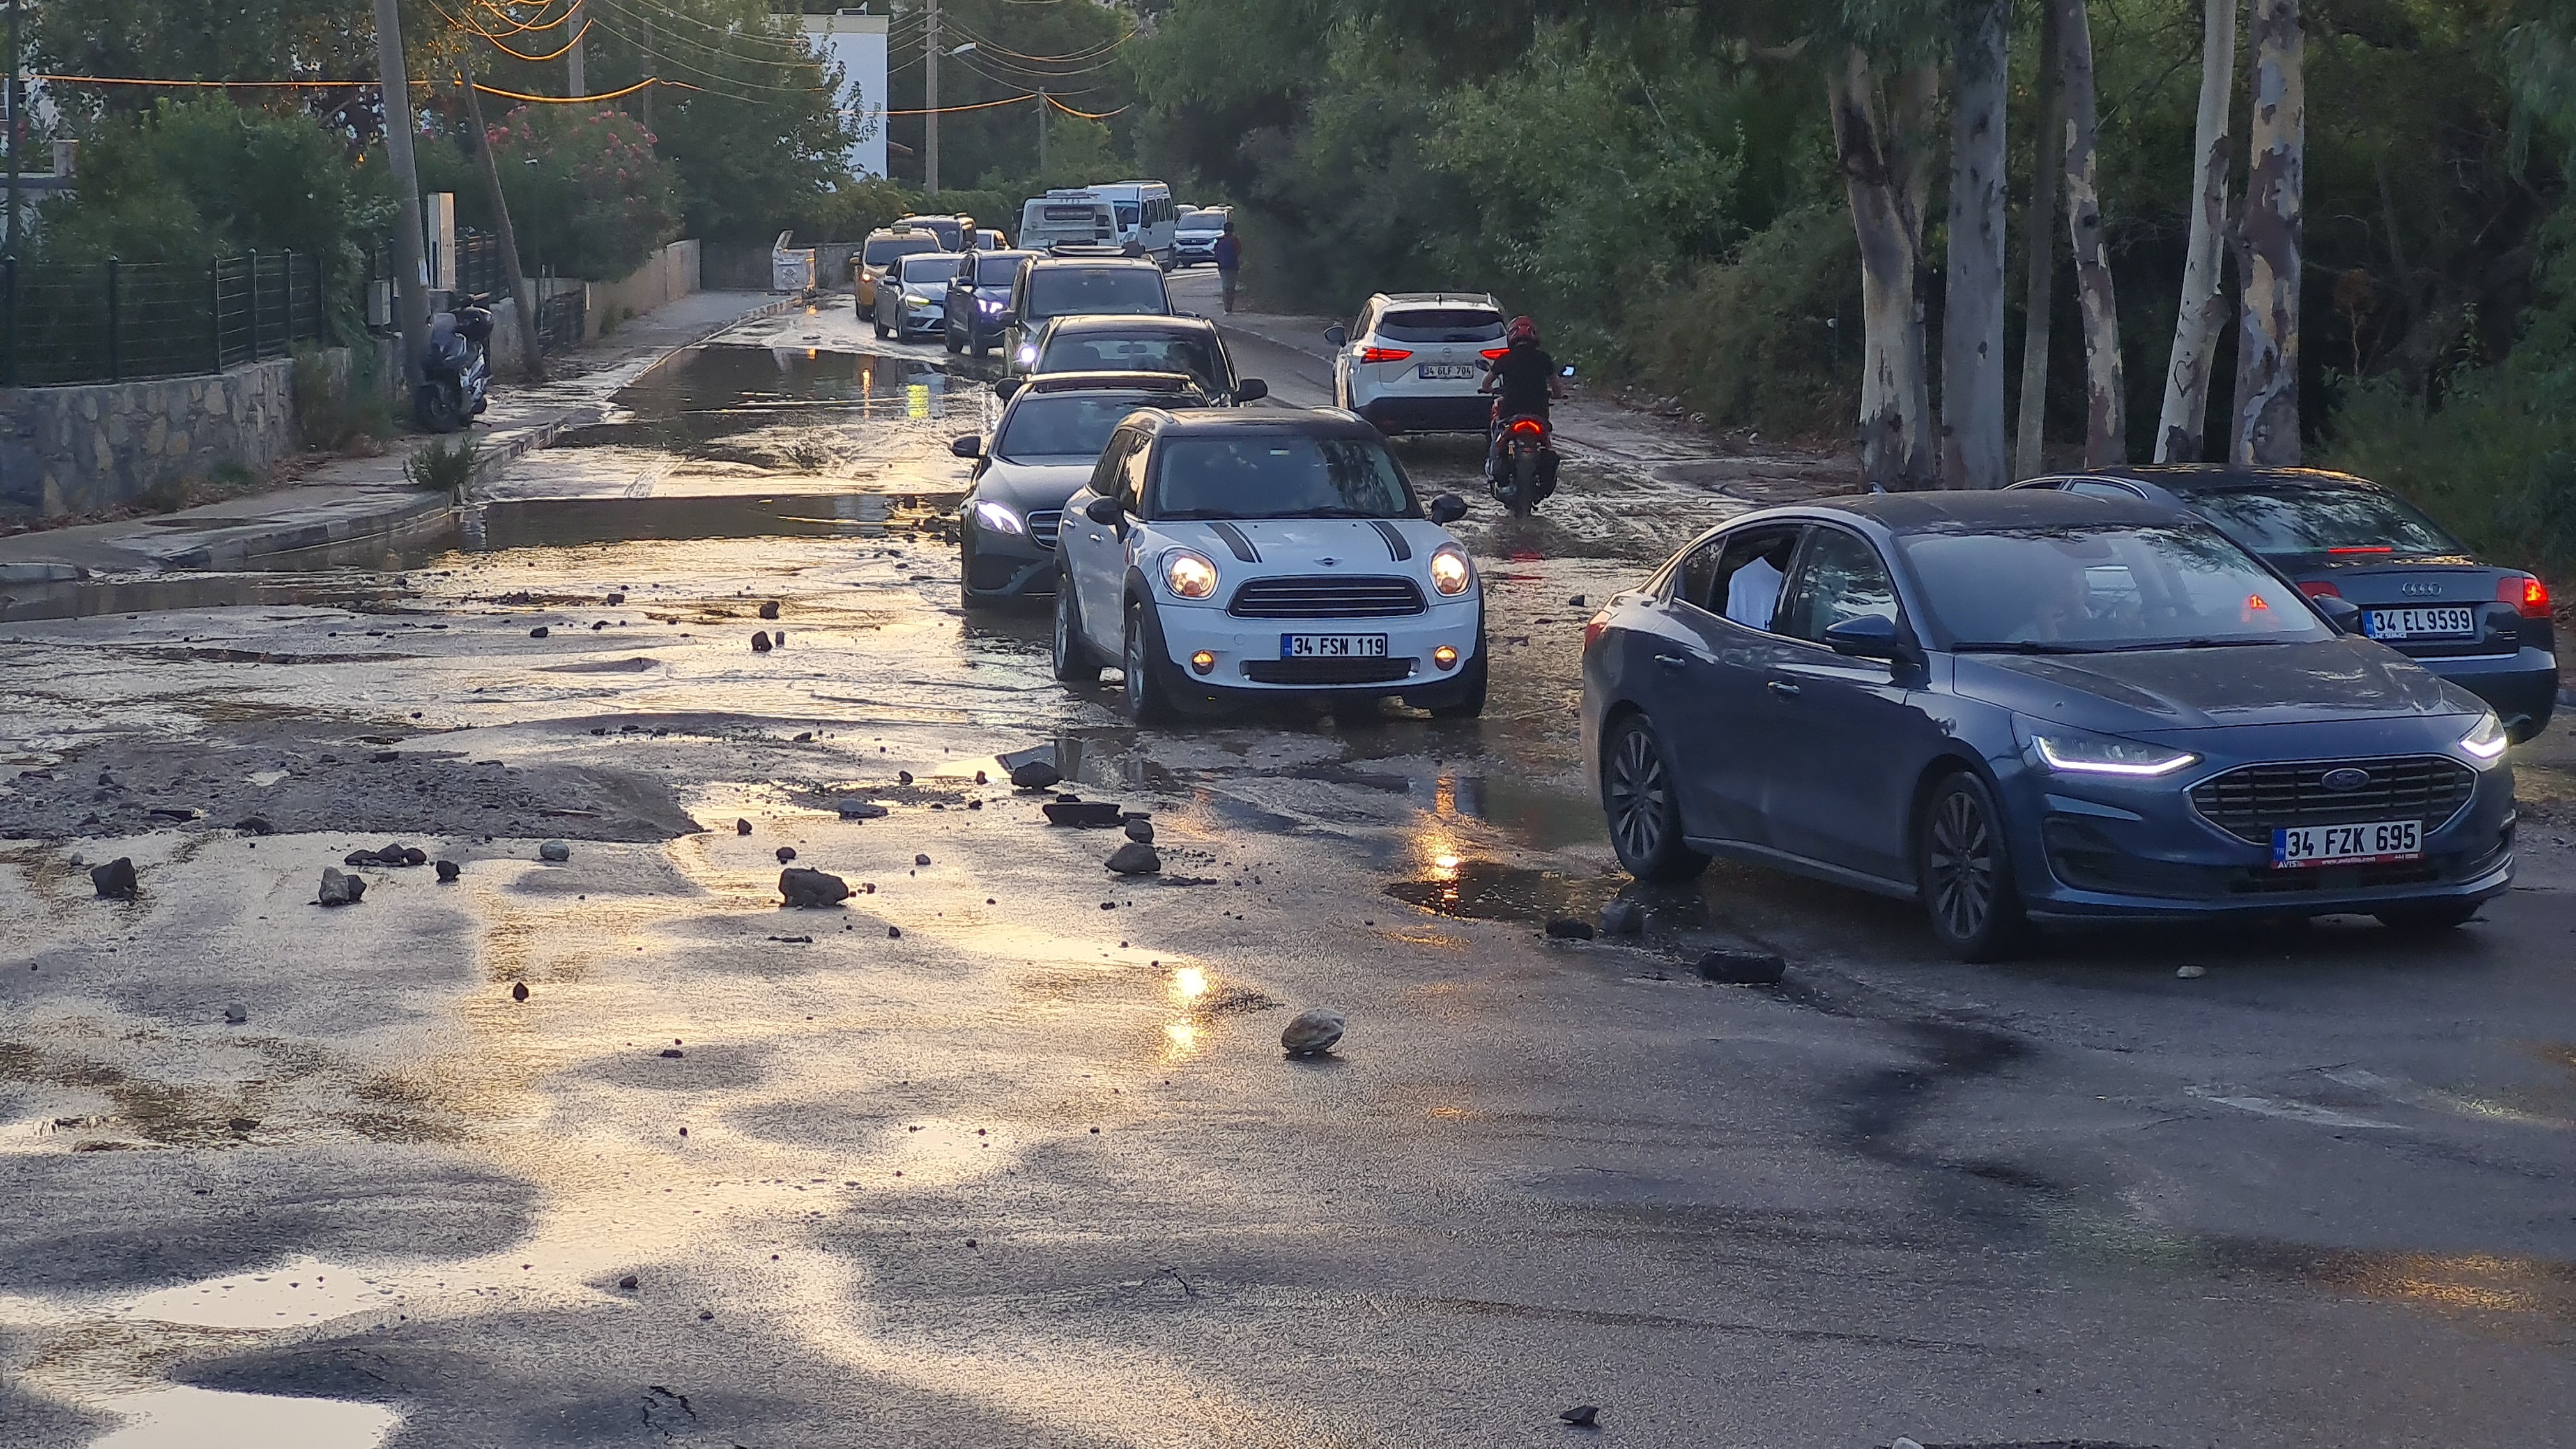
[919,300]
[2486,740]
[1028,357]
[2074,754]
[988,304]
[1189,575]
[999,517]
[1450,573]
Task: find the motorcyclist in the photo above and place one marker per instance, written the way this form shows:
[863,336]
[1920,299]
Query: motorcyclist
[1527,379]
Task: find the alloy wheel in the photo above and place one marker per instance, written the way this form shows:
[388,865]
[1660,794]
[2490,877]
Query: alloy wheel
[1639,795]
[1962,866]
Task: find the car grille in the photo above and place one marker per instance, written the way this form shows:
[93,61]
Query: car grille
[1326,598]
[1327,671]
[2250,803]
[1043,525]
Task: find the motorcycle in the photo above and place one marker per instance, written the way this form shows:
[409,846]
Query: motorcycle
[456,366]
[1521,469]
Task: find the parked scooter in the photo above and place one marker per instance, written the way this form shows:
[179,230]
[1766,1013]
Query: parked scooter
[456,367]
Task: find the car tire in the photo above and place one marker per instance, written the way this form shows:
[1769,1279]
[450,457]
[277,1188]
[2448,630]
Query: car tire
[1963,871]
[1072,657]
[966,596]
[2427,917]
[1467,697]
[948,338]
[983,345]
[1643,807]
[877,320]
[1149,698]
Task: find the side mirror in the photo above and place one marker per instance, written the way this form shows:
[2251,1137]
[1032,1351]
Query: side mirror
[2344,614]
[1105,512]
[1447,509]
[1871,636]
[969,446]
[1337,336]
[1250,389]
[1005,388]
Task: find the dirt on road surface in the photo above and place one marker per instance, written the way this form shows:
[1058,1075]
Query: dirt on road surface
[1003,1149]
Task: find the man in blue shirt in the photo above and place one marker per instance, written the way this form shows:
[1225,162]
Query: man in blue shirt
[1229,261]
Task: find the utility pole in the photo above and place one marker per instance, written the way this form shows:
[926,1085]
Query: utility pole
[11,245]
[578,82]
[930,107]
[411,282]
[522,301]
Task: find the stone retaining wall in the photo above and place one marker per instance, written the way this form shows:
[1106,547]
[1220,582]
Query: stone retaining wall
[70,450]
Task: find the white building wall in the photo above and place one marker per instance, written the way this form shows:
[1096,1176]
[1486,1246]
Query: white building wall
[856,41]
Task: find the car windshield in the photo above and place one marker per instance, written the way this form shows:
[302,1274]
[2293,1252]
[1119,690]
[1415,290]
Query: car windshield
[2281,522]
[1096,352]
[1203,221]
[2088,589]
[1073,291]
[1280,475]
[1442,324]
[932,270]
[996,271]
[943,228]
[886,248]
[1070,424]
[1127,213]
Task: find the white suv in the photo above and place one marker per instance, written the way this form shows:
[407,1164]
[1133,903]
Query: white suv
[1412,362]
[1224,556]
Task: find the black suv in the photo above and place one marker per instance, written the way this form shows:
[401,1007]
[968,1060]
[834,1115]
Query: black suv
[1066,286]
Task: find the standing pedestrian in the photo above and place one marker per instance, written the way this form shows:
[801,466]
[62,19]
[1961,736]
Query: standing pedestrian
[1229,262]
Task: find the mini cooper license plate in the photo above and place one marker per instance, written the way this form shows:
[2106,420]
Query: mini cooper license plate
[2453,623]
[1332,646]
[1444,372]
[2298,847]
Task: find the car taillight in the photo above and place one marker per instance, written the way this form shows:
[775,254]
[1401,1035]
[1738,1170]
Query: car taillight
[2362,548]
[1594,628]
[2320,589]
[1529,427]
[2527,594]
[1385,354]
[1495,354]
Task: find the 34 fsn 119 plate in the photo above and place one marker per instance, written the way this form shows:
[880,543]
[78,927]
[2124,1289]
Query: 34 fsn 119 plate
[1332,646]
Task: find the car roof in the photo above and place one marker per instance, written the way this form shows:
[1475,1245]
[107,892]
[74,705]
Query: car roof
[906,231]
[1098,259]
[1079,323]
[1304,422]
[1111,382]
[2223,477]
[1439,299]
[1944,510]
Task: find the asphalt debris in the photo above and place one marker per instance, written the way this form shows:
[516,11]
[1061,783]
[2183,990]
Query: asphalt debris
[555,851]
[769,609]
[518,991]
[1135,858]
[448,871]
[539,632]
[339,889]
[1140,830]
[254,825]
[1083,814]
[1623,918]
[1566,928]
[1313,1032]
[760,641]
[1035,775]
[236,1013]
[114,881]
[786,853]
[1742,968]
[863,810]
[811,889]
[1582,1416]
[742,827]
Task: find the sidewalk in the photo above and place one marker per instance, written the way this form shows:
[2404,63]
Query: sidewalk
[350,500]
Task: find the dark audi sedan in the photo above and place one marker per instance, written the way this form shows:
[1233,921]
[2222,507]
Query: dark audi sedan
[2030,706]
[2419,590]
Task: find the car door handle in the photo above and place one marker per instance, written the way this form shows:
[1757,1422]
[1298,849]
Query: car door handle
[1782,688]
[1672,661]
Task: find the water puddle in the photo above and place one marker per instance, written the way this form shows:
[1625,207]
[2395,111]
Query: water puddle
[1485,890]
[185,1418]
[288,1296]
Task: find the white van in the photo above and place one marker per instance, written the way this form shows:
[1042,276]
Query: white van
[1123,214]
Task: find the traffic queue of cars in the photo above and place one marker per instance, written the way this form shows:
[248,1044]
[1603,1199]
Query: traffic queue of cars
[2126,693]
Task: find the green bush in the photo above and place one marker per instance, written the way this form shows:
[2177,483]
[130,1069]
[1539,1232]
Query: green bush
[442,466]
[596,201]
[2492,462]
[1746,342]
[343,410]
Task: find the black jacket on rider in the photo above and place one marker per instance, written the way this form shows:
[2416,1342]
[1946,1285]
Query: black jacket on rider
[1526,375]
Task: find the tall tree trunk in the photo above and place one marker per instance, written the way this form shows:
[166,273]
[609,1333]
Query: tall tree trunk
[1972,305]
[533,357]
[2204,308]
[2267,349]
[2106,426]
[1885,174]
[2039,246]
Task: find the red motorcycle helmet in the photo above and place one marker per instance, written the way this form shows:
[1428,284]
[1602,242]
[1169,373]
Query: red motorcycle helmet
[1521,330]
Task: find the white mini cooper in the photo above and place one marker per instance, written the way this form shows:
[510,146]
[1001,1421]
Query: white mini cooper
[1226,556]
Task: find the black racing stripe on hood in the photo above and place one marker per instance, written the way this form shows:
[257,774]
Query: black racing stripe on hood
[1394,537]
[1234,539]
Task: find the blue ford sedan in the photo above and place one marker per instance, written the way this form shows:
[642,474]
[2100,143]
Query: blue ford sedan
[2031,706]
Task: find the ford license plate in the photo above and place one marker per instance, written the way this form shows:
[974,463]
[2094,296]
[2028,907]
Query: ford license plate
[2445,623]
[2299,847]
[1332,646]
[1445,372]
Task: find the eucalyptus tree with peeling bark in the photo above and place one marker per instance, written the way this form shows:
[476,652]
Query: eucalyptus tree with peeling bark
[2267,348]
[1879,143]
[2203,311]
[2039,254]
[2106,430]
[1972,304]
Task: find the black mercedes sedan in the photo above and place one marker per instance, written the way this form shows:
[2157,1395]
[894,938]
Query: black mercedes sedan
[2420,591]
[2033,706]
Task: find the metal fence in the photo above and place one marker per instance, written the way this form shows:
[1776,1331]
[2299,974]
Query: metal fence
[559,319]
[116,321]
[479,268]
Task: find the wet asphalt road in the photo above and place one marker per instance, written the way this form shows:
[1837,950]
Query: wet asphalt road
[1033,1171]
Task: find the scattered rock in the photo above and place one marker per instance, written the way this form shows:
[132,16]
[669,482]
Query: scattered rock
[760,641]
[619,599]
[1141,831]
[1583,1416]
[805,738]
[628,1282]
[862,810]
[811,888]
[115,880]
[340,890]
[1035,775]
[673,1053]
[706,1315]
[921,860]
[1083,814]
[894,933]
[1902,1441]
[742,827]
[1742,968]
[1312,1032]
[236,1013]
[1136,858]
[254,825]
[1623,918]
[180,813]
[786,853]
[903,777]
[518,991]
[241,1124]
[1566,928]
[555,851]
[981,778]
[769,609]
[1580,602]
[2191,973]
[539,632]
[448,871]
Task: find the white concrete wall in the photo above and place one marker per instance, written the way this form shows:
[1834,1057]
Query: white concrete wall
[858,43]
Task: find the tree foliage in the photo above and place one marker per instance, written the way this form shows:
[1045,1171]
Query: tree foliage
[191,180]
